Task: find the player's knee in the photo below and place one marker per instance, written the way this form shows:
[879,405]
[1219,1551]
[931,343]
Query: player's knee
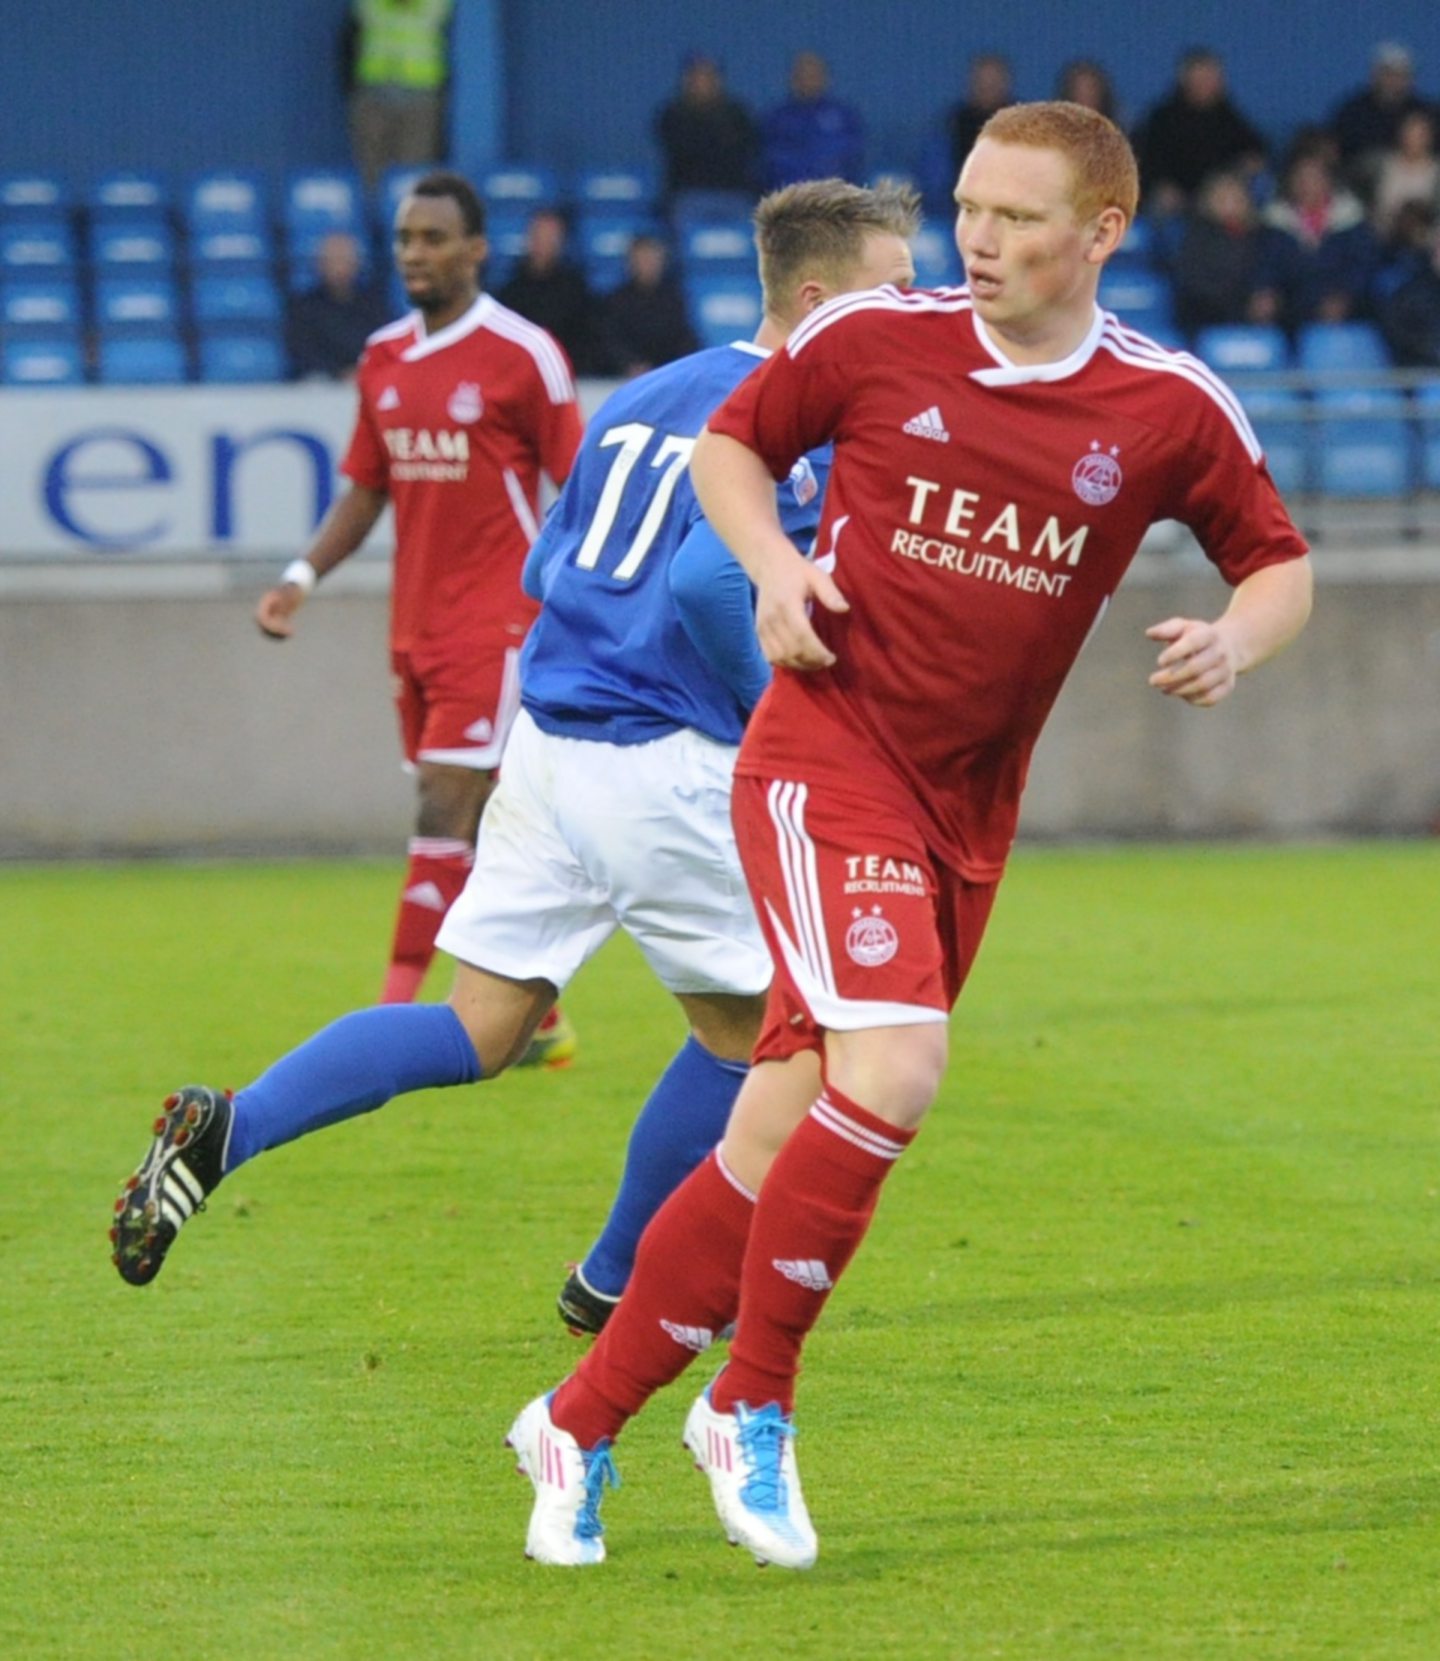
[895,1072]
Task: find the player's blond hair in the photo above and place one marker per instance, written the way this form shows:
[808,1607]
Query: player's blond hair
[1102,164]
[816,231]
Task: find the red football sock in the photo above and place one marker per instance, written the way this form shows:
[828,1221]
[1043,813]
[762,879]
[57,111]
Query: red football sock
[813,1212]
[439,866]
[684,1290]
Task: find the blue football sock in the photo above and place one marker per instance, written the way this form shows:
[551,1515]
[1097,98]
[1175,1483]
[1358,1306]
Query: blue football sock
[684,1118]
[352,1066]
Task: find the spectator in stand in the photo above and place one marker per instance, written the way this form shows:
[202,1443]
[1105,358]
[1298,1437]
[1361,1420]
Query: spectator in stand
[397,62]
[1083,81]
[709,140]
[1196,131]
[1229,267]
[327,325]
[645,322]
[1333,254]
[812,135]
[550,289]
[1408,173]
[1367,123]
[1407,290]
[990,88]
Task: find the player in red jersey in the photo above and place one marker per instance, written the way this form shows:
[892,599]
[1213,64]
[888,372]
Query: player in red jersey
[463,404]
[999,451]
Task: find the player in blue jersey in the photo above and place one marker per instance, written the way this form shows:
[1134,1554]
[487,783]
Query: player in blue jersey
[613,808]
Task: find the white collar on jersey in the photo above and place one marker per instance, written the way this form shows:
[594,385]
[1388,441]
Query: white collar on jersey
[750,347]
[1019,374]
[466,323]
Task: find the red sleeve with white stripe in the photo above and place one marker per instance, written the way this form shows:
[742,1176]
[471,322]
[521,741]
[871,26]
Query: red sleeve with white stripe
[1231,504]
[366,461]
[788,406]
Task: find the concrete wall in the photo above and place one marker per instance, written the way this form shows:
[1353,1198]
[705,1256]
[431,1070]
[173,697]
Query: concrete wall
[167,724]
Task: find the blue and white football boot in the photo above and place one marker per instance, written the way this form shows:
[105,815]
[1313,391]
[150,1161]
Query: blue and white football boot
[569,1480]
[749,1456]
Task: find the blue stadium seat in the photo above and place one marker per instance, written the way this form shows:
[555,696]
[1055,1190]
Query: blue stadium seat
[233,253]
[39,306]
[602,244]
[226,201]
[1241,348]
[142,360]
[719,249]
[1324,348]
[709,207]
[131,244]
[50,360]
[394,185]
[723,308]
[1364,444]
[132,304]
[1278,416]
[505,232]
[224,298]
[239,358]
[615,190]
[937,259]
[1140,299]
[318,201]
[1427,409]
[34,196]
[40,247]
[127,194]
[522,185]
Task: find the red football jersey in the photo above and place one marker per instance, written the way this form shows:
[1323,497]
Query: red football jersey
[979,515]
[457,427]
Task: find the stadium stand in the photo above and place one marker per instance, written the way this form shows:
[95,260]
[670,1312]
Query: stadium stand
[35,196]
[127,194]
[37,306]
[723,308]
[142,360]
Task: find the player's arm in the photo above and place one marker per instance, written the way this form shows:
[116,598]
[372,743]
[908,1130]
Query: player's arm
[737,492]
[1201,661]
[350,520]
[717,611]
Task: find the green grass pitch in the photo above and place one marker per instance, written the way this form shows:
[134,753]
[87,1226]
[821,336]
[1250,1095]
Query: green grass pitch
[1140,1359]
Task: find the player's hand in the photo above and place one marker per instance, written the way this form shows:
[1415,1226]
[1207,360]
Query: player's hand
[1198,663]
[782,614]
[276,612]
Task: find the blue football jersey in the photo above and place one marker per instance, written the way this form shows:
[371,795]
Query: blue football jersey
[608,658]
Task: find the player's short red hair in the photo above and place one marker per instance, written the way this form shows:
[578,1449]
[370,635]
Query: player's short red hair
[1102,163]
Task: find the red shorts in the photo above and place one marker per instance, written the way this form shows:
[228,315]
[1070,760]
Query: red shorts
[457,707]
[866,928]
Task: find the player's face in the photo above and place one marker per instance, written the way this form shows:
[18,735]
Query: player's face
[434,255]
[1032,265]
[884,258]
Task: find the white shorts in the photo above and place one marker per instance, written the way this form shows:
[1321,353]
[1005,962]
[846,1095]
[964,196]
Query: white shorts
[581,838]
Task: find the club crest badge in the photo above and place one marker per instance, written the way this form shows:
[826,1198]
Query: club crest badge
[466,404]
[871,939]
[1097,477]
[803,482]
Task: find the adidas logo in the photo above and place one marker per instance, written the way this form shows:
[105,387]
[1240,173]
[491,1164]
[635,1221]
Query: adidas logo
[808,1272]
[928,424]
[388,399]
[426,894]
[695,1338]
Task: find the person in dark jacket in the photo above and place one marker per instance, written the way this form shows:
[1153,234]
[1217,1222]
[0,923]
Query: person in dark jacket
[550,289]
[1367,123]
[709,140]
[328,323]
[1229,267]
[645,322]
[1407,289]
[1194,132]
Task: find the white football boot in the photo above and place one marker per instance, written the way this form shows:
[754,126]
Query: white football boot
[749,1456]
[569,1481]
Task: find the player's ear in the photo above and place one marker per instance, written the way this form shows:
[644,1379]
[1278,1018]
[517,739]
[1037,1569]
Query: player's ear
[480,248]
[811,294]
[1109,232]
